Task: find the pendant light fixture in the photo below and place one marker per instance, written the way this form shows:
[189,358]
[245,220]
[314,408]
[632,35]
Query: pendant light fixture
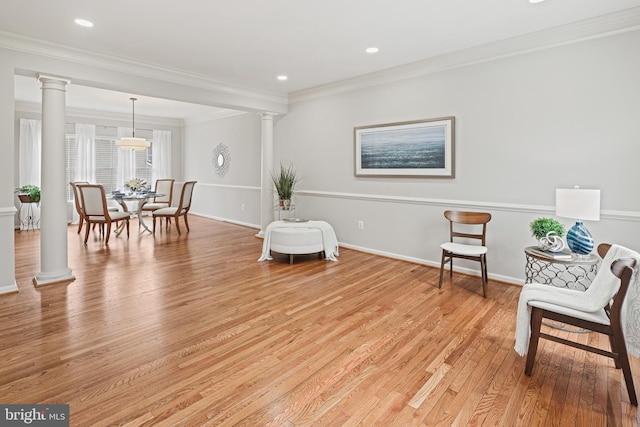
[133,143]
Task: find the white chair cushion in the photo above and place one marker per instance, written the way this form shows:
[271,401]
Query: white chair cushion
[119,215]
[461,249]
[166,211]
[598,316]
[154,206]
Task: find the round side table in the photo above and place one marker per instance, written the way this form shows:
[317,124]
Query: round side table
[576,272]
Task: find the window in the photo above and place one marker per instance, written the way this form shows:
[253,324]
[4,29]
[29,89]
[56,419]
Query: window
[106,163]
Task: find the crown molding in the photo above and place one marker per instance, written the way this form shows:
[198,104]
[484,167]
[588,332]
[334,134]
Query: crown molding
[56,51]
[599,27]
[210,117]
[35,108]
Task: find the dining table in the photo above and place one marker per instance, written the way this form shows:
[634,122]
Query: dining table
[141,199]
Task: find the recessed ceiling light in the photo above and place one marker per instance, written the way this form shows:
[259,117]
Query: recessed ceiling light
[536,1]
[84,22]
[282,78]
[372,50]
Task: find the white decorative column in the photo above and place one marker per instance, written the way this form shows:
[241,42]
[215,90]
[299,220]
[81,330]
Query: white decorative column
[53,201]
[266,186]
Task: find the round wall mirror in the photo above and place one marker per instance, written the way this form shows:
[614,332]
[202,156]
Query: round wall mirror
[221,159]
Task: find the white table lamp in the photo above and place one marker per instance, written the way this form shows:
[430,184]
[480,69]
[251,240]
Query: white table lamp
[580,204]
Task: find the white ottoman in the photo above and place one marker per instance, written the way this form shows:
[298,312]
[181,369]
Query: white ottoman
[296,241]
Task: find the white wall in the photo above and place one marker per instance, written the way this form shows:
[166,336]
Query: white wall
[7,208]
[525,125]
[235,196]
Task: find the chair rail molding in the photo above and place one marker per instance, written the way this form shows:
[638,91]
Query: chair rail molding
[473,204]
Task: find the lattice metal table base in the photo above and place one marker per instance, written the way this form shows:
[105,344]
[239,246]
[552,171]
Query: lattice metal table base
[563,275]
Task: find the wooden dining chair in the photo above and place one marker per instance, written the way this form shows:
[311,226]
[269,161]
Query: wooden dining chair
[96,211]
[606,320]
[460,223]
[181,210]
[163,186]
[78,202]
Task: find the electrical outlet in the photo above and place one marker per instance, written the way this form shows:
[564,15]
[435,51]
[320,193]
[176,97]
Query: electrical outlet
[360,225]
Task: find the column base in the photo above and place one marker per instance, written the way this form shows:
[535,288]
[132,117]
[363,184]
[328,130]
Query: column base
[50,278]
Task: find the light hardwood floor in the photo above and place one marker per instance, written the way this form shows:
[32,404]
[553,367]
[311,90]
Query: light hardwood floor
[192,330]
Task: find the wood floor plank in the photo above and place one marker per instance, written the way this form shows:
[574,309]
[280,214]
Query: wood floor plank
[192,330]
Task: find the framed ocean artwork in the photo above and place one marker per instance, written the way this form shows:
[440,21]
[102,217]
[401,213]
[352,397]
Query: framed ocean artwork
[420,148]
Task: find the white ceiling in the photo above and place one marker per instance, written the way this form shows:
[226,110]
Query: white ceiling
[250,42]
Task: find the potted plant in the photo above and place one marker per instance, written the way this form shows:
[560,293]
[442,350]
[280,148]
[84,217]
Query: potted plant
[285,183]
[29,193]
[549,233]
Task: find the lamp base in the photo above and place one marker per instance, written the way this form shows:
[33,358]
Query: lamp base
[579,239]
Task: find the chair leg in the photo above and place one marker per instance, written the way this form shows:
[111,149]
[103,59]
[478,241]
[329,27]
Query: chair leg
[486,274]
[178,225]
[80,222]
[186,223]
[536,322]
[623,361]
[441,269]
[614,349]
[86,232]
[483,273]
[290,258]
[106,237]
[154,225]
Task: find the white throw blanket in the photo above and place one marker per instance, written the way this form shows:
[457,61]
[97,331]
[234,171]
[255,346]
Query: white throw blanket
[594,299]
[329,239]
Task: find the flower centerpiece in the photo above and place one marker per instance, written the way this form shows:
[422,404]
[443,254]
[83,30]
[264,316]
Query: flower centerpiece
[136,185]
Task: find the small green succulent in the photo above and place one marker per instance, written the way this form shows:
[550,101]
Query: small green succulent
[542,226]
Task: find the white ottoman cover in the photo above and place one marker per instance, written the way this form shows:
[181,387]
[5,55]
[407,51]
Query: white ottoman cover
[296,240]
[305,237]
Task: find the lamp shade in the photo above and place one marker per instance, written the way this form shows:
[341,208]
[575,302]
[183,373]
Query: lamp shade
[132,143]
[578,203]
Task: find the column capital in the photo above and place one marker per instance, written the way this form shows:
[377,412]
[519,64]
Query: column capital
[267,115]
[51,78]
[53,82]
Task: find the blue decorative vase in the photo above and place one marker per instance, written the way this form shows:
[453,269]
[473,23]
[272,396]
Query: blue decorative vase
[579,239]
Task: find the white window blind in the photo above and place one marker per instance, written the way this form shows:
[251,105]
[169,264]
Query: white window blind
[106,163]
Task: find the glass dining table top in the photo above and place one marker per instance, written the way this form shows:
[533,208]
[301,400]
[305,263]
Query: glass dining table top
[141,198]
